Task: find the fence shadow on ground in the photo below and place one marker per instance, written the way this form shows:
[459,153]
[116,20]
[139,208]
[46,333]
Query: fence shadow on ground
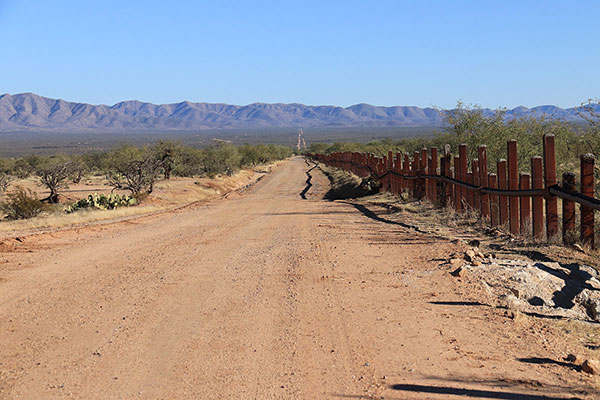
[545,360]
[478,304]
[372,215]
[459,303]
[470,393]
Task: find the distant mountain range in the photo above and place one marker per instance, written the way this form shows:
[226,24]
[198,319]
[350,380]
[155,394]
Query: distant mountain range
[29,112]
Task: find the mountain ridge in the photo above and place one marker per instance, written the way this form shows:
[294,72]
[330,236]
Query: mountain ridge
[29,111]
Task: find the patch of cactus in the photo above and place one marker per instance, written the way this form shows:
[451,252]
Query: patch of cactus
[102,202]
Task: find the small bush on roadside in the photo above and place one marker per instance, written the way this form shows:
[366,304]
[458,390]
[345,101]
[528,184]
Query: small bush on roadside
[22,204]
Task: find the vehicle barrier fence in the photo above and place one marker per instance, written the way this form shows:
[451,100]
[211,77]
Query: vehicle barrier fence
[506,197]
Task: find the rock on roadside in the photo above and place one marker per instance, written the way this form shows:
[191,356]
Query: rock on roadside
[591,367]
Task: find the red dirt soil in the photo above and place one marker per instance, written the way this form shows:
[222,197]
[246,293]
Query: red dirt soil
[263,295]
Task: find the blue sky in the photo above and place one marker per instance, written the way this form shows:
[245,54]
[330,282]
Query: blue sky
[423,53]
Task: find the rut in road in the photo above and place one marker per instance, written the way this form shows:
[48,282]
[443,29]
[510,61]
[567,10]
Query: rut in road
[262,295]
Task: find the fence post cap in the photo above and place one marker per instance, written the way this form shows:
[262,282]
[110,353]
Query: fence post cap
[589,157]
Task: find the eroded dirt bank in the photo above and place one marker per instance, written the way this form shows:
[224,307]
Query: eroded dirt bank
[263,295]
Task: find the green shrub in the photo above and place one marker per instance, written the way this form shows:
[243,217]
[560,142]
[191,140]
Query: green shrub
[102,202]
[21,204]
[223,158]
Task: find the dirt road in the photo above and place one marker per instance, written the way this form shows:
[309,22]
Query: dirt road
[262,295]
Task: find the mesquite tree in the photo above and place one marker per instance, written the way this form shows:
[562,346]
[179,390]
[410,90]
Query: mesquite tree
[53,174]
[133,169]
[167,154]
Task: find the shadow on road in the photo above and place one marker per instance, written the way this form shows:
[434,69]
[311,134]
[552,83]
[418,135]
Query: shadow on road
[458,303]
[545,360]
[370,214]
[479,393]
[308,183]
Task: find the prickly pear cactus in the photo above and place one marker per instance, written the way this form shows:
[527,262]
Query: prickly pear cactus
[101,202]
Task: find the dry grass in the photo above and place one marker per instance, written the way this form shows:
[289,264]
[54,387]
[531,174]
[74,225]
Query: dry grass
[60,220]
[582,334]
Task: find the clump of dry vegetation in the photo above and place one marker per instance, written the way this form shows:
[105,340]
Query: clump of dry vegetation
[5,181]
[21,204]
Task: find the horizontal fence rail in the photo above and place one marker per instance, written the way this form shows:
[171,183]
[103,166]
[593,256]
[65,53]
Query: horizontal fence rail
[506,197]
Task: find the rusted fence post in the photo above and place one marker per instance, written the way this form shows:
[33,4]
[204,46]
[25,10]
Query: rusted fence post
[443,185]
[550,180]
[587,189]
[447,173]
[415,172]
[483,180]
[396,178]
[537,202]
[464,168]
[502,184]
[422,171]
[392,176]
[385,180]
[474,193]
[568,209]
[456,192]
[409,182]
[513,184]
[494,209]
[433,171]
[399,171]
[428,181]
[390,167]
[525,204]
[469,201]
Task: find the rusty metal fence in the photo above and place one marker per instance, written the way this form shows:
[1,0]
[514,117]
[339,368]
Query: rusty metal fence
[506,197]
